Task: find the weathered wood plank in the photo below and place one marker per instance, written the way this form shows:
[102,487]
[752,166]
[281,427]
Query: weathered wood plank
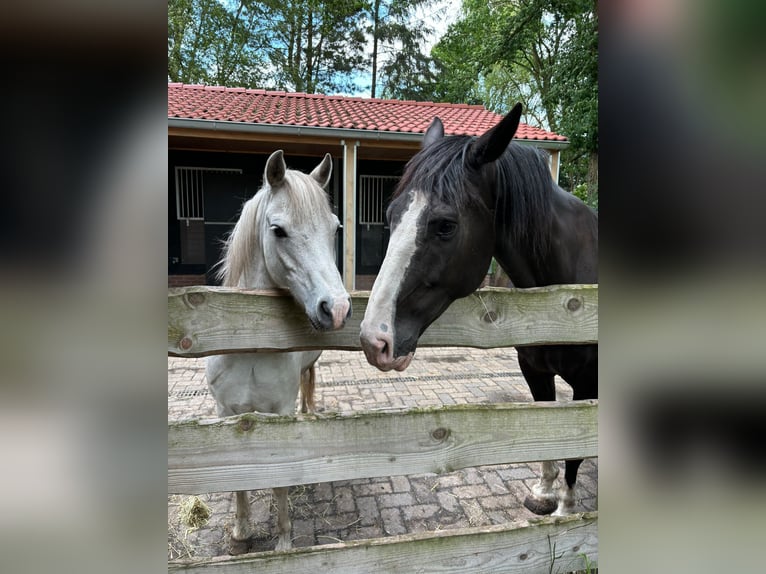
[254,451]
[211,320]
[531,547]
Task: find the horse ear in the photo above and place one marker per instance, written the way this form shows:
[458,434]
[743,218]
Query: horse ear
[434,133]
[493,142]
[275,168]
[323,171]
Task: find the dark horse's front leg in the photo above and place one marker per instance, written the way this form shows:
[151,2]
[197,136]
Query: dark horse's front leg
[539,368]
[543,499]
[577,365]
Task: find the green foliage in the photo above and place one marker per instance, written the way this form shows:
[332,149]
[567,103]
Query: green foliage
[590,567]
[543,53]
[399,62]
[460,55]
[317,45]
[215,43]
[587,194]
[581,191]
[300,45]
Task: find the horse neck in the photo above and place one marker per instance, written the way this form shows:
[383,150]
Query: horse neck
[256,275]
[522,269]
[570,254]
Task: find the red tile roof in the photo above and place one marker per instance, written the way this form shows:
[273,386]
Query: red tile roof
[299,109]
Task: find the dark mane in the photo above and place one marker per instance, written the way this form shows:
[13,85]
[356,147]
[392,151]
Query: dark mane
[522,180]
[525,189]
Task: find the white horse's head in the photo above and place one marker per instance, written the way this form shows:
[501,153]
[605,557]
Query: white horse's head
[285,238]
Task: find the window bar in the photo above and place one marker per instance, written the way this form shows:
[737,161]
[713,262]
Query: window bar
[187,179]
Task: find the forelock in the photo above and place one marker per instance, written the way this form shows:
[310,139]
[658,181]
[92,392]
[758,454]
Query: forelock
[440,170]
[307,198]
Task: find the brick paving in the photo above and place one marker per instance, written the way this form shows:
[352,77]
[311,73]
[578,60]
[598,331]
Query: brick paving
[375,507]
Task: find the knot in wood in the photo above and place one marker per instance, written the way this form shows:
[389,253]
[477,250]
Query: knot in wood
[195,299]
[490,317]
[185,343]
[245,425]
[523,556]
[574,304]
[439,434]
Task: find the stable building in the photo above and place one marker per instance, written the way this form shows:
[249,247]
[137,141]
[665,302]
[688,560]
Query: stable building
[220,138]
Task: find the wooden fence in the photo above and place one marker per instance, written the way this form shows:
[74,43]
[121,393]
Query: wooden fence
[263,451]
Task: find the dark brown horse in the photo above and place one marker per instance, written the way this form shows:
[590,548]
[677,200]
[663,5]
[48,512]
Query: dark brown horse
[460,202]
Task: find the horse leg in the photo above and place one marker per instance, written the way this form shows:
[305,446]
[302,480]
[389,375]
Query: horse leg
[284,527]
[566,494]
[544,498]
[308,382]
[584,386]
[242,531]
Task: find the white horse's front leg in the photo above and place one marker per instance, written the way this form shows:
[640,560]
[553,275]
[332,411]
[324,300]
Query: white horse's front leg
[242,531]
[544,498]
[284,527]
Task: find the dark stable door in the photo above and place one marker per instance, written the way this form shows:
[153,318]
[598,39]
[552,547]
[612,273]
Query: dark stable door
[371,245]
[224,195]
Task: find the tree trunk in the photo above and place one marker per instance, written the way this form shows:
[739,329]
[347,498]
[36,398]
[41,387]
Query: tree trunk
[309,53]
[592,177]
[375,20]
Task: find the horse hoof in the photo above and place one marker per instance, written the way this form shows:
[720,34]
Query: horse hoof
[281,546]
[538,506]
[237,547]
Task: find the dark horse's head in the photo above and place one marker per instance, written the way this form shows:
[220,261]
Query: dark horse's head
[442,239]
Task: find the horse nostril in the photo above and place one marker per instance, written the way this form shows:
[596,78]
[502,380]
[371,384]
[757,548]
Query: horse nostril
[324,308]
[383,348]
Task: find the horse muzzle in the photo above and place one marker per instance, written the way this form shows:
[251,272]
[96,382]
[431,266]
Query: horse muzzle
[332,312]
[378,348]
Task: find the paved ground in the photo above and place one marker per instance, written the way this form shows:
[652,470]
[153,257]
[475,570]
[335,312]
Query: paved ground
[369,508]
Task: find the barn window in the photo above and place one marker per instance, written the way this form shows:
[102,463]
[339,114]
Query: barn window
[190,185]
[373,189]
[190,209]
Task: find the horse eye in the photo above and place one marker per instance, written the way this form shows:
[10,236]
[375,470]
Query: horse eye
[446,229]
[337,230]
[278,231]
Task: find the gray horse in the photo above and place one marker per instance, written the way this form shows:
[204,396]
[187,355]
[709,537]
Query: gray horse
[284,239]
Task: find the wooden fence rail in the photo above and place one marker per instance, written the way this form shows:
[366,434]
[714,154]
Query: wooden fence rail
[213,320]
[255,451]
[542,545]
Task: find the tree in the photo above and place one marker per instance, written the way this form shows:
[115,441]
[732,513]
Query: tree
[300,45]
[211,42]
[398,57]
[317,45]
[575,85]
[543,53]
[458,58]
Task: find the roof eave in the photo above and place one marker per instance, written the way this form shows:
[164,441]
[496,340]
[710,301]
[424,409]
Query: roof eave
[287,130]
[547,144]
[336,133]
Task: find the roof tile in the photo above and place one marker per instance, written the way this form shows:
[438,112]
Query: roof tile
[284,108]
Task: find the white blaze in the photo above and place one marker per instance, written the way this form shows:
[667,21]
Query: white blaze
[381,307]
